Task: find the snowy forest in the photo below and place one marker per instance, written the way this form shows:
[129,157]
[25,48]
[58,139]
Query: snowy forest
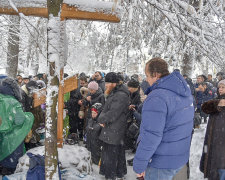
[37,36]
[188,34]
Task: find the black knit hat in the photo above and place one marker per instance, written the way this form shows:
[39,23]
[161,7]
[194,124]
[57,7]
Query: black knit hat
[111,77]
[133,83]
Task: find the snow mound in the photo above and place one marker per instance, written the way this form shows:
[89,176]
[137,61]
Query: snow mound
[73,157]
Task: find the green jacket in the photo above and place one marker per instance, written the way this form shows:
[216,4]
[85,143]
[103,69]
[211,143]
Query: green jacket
[14,125]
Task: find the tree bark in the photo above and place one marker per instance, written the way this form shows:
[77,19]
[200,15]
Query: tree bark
[187,65]
[13,46]
[51,153]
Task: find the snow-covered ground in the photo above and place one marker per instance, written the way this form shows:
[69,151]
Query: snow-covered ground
[75,156]
[195,156]
[196,152]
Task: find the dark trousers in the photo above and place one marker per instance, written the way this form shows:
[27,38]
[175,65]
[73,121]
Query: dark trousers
[76,125]
[113,161]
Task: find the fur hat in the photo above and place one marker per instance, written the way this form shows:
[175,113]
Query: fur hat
[112,77]
[133,83]
[93,85]
[222,82]
[84,91]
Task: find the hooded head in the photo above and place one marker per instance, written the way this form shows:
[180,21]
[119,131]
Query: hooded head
[10,87]
[96,109]
[31,86]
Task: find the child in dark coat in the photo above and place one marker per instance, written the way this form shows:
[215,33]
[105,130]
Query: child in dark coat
[93,131]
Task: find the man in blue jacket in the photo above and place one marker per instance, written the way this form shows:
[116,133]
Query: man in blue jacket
[167,122]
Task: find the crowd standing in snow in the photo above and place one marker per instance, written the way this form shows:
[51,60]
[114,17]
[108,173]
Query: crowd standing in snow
[110,113]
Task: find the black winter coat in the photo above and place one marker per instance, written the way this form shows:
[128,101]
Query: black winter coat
[114,116]
[72,105]
[135,99]
[93,142]
[27,101]
[213,156]
[98,97]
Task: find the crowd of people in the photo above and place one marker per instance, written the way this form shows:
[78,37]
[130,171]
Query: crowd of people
[153,117]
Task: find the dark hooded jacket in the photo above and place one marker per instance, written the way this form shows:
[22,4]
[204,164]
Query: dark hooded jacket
[72,104]
[98,97]
[9,86]
[213,156]
[114,116]
[166,127]
[135,99]
[93,143]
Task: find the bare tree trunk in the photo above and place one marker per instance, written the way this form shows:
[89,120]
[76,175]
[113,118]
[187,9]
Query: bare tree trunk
[187,65]
[32,61]
[51,153]
[13,46]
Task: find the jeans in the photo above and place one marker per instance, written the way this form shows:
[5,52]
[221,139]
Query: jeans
[221,174]
[160,174]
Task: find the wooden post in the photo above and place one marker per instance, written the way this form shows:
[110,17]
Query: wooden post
[60,111]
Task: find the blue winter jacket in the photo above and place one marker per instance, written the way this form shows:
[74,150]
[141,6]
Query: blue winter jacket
[166,127]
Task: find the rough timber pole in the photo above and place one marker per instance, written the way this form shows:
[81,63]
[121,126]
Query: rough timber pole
[60,112]
[51,154]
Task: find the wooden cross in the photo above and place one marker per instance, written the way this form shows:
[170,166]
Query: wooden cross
[67,12]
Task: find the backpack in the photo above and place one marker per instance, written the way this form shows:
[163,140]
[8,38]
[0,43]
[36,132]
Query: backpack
[37,167]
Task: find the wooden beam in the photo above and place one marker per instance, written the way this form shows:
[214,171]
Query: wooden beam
[67,12]
[70,84]
[39,12]
[71,12]
[39,97]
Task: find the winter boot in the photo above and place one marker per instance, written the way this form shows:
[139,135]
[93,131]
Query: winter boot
[130,162]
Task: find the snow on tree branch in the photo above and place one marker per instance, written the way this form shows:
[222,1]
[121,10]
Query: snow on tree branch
[23,3]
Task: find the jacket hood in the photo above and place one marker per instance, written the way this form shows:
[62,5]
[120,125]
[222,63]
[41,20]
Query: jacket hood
[9,86]
[173,82]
